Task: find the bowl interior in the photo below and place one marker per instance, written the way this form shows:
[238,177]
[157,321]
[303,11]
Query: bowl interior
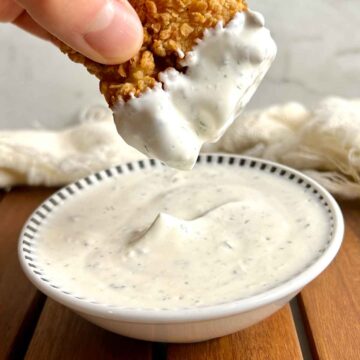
[28,258]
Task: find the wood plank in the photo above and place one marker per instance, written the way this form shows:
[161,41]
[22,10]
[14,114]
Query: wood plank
[275,338]
[61,334]
[19,300]
[351,211]
[330,304]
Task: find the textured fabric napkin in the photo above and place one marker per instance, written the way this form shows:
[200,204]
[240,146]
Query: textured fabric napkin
[323,142]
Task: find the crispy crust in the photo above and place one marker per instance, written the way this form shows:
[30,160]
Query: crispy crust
[170,27]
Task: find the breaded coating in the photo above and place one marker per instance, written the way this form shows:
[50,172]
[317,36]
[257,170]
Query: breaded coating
[171,28]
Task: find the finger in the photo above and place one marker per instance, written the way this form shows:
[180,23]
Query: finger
[107,31]
[26,22]
[9,10]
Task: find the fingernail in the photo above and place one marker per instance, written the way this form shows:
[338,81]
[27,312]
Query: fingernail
[115,33]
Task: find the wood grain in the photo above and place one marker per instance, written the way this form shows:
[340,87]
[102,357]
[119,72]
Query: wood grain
[275,338]
[61,334]
[331,303]
[19,300]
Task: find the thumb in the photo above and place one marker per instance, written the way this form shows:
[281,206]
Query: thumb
[106,31]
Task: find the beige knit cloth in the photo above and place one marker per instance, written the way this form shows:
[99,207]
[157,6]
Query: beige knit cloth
[324,143]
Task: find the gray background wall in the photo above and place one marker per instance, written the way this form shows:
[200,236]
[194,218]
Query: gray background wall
[319,55]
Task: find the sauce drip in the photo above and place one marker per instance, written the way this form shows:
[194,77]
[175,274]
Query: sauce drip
[172,121]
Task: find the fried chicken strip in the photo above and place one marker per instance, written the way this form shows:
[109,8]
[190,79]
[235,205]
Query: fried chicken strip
[171,28]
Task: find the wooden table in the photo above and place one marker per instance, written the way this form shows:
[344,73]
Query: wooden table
[322,323]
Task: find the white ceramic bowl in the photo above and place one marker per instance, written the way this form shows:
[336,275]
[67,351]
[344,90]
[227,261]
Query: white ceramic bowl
[185,325]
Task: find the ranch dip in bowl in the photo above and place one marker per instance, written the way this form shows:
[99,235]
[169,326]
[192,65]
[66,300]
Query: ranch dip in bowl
[165,255]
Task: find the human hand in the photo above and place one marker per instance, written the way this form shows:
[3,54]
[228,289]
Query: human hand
[106,31]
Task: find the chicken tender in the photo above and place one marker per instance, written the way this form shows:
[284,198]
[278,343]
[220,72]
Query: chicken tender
[171,28]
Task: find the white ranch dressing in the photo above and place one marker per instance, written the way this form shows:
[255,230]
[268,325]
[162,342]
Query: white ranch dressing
[172,121]
[168,239]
